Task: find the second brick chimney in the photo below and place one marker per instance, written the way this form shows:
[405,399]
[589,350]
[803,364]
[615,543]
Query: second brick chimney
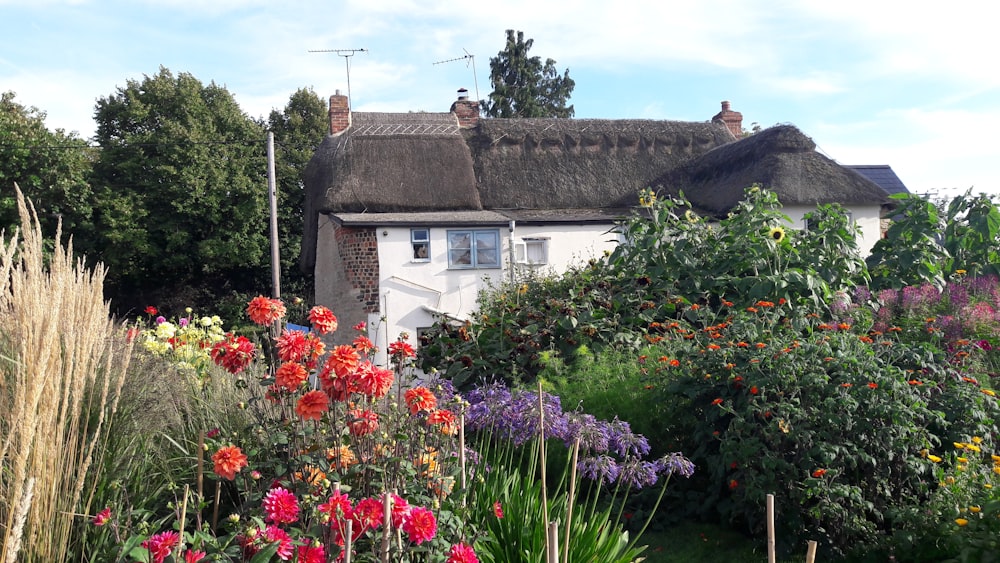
[466,110]
[340,113]
[732,119]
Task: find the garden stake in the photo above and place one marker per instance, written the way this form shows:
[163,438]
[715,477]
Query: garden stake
[811,552]
[552,555]
[184,510]
[215,509]
[771,556]
[461,448]
[347,540]
[386,528]
[201,474]
[571,498]
[541,456]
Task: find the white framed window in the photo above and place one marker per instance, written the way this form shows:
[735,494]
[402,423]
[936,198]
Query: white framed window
[470,249]
[532,251]
[420,241]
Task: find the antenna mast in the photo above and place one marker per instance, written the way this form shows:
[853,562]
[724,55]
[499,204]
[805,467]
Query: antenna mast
[472,60]
[347,54]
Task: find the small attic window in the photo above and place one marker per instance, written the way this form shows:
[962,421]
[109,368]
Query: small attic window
[420,241]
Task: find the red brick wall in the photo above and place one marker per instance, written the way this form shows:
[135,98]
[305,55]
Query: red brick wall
[467,112]
[358,248]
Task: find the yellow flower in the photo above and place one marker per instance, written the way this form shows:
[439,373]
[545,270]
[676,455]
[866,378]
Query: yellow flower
[987,485]
[975,509]
[989,392]
[977,440]
[934,458]
[647,198]
[691,216]
[959,272]
[973,448]
[961,521]
[996,469]
[959,445]
[950,480]
[777,234]
[962,459]
[924,452]
[995,457]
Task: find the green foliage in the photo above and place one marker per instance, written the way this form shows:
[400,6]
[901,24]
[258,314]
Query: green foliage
[50,167]
[525,87]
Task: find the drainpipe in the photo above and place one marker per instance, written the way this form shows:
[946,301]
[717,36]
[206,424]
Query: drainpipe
[511,249]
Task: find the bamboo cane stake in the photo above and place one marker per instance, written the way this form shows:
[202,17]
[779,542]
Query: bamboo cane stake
[387,525]
[541,456]
[570,500]
[552,556]
[811,552]
[771,555]
[201,475]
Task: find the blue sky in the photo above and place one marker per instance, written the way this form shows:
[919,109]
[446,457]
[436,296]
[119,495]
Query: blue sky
[872,82]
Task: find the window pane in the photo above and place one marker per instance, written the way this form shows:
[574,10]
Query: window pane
[486,257]
[486,240]
[417,235]
[459,239]
[460,257]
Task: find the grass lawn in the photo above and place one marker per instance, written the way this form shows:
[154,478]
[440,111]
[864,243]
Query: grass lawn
[701,543]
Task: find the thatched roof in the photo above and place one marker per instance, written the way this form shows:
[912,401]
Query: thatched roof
[781,159]
[580,163]
[552,170]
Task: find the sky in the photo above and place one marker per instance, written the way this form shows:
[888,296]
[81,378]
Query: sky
[870,81]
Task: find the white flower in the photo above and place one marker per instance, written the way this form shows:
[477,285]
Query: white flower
[166,330]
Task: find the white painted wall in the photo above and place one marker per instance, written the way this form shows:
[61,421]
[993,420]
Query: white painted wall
[866,217]
[411,290]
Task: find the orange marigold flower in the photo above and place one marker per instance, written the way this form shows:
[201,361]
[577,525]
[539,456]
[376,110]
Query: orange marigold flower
[727,303]
[663,359]
[228,461]
[742,344]
[865,339]
[845,385]
[751,309]
[290,375]
[817,473]
[695,306]
[824,326]
[844,326]
[322,319]
[872,385]
[420,399]
[754,390]
[828,359]
[765,304]
[674,363]
[713,347]
[312,405]
[915,382]
[761,345]
[264,311]
[782,301]
[717,401]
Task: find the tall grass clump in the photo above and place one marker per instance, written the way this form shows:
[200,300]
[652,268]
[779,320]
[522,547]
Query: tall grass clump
[62,366]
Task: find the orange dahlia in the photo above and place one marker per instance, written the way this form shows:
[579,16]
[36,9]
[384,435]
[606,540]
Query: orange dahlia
[312,405]
[228,460]
[264,311]
[291,375]
[322,319]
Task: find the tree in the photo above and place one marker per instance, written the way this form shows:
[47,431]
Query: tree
[181,178]
[50,167]
[523,86]
[298,131]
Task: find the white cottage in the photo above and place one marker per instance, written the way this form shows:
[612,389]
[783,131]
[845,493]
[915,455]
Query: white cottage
[408,216]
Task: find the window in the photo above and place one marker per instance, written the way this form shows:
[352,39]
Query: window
[532,251]
[420,240]
[474,249]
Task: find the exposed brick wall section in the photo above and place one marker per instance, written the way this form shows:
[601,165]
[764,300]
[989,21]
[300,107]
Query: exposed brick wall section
[340,113]
[732,119]
[467,112]
[358,248]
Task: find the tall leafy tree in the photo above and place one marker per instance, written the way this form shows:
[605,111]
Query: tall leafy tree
[181,178]
[50,167]
[523,86]
[298,131]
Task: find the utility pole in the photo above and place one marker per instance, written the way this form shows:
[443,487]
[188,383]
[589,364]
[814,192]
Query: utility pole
[272,192]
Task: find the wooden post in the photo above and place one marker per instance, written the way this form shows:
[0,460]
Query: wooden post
[552,556]
[811,552]
[771,555]
[541,456]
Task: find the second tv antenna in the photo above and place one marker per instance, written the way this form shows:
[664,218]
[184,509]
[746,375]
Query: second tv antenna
[347,54]
[472,60]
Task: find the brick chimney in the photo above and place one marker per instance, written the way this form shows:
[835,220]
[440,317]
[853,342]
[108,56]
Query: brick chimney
[340,113]
[466,110]
[732,119]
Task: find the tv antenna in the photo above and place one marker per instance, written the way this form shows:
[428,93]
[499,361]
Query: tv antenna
[347,54]
[471,60]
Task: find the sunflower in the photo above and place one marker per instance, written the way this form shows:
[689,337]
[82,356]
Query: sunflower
[691,216]
[777,234]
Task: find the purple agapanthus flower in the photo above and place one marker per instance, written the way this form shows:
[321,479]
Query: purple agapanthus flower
[675,464]
[599,468]
[624,442]
[594,435]
[636,473]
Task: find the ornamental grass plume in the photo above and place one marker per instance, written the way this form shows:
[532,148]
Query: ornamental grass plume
[62,370]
